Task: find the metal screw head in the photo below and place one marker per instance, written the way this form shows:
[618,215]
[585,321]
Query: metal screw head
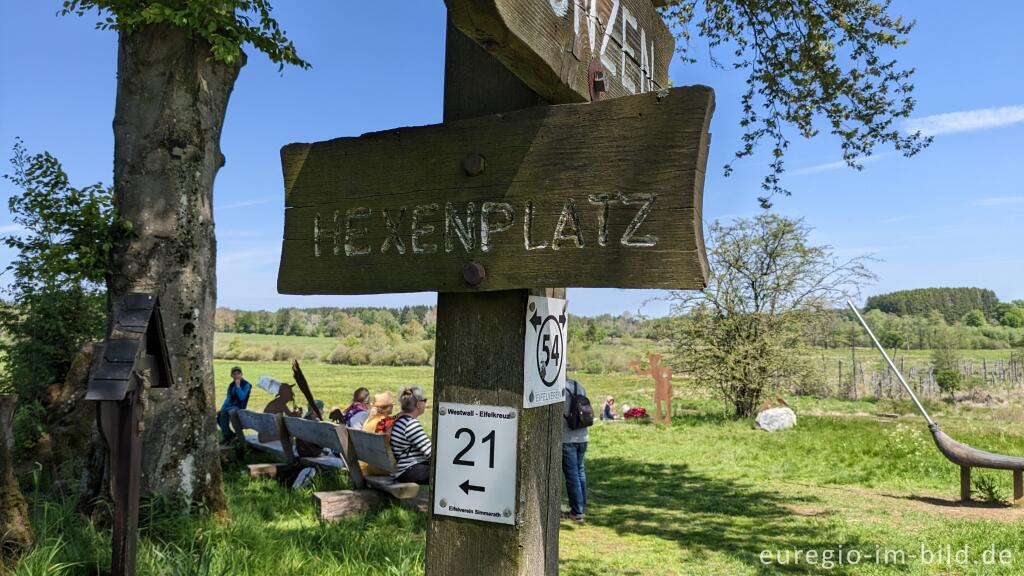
[474,273]
[474,164]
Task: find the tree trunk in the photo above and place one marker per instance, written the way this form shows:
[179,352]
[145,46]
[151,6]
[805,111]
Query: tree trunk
[15,531]
[171,100]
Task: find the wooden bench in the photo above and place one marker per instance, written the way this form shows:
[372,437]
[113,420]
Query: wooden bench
[373,449]
[967,458]
[323,434]
[265,424]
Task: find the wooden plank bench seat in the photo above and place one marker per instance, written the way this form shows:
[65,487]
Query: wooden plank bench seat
[373,449]
[323,434]
[265,424]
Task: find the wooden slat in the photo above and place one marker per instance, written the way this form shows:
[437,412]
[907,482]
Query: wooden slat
[113,371]
[322,434]
[258,421]
[372,449]
[549,45]
[400,490]
[113,390]
[554,159]
[121,350]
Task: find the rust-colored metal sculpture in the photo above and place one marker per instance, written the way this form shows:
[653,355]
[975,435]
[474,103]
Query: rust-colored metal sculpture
[962,455]
[662,386]
[134,359]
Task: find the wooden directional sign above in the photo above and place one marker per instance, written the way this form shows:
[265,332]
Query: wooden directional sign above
[551,44]
[606,194]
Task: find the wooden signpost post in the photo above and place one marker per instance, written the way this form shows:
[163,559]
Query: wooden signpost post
[563,160]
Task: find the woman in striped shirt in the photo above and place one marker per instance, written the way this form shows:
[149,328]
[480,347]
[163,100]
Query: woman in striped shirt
[409,442]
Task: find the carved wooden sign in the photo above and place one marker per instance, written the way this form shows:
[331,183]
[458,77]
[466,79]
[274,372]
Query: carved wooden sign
[606,194]
[551,44]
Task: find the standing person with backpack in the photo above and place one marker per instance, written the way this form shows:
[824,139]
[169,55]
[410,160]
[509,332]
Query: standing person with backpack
[578,416]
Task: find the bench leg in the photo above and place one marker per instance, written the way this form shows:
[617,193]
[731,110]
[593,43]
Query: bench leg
[965,483]
[1018,487]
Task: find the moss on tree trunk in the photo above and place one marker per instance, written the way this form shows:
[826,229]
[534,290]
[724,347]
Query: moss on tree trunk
[15,531]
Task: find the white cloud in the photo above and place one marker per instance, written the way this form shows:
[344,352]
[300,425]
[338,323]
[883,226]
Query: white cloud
[1000,201]
[966,121]
[829,166]
[244,204]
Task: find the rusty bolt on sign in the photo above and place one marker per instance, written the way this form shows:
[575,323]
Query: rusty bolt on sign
[474,273]
[474,164]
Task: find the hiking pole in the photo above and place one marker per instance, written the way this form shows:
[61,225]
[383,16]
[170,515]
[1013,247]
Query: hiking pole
[891,365]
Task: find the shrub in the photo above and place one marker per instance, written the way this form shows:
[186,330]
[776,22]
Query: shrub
[988,488]
[382,357]
[949,380]
[411,355]
[337,356]
[284,353]
[359,355]
[28,426]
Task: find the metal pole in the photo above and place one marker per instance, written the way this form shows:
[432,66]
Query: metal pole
[891,365]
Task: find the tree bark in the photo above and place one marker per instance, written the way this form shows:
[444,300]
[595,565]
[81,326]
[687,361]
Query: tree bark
[15,531]
[171,99]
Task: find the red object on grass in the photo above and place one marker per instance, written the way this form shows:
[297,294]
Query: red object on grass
[636,412]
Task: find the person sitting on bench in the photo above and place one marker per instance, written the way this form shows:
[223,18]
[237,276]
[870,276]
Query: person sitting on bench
[380,419]
[409,442]
[237,398]
[358,411]
[379,422]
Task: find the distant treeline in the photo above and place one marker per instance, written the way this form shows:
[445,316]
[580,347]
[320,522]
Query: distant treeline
[410,320]
[332,322]
[953,303]
[909,319]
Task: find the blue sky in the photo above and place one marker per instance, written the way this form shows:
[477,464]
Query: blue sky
[949,217]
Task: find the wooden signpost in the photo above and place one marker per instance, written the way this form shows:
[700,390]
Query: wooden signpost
[558,48]
[505,200]
[602,194]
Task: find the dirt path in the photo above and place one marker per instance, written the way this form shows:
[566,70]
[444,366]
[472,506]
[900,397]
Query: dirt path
[896,503]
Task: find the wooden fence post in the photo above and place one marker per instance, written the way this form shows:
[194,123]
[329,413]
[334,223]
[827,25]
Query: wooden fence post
[479,359]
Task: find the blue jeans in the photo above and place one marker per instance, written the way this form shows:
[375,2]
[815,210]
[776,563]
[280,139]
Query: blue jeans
[575,476]
[224,421]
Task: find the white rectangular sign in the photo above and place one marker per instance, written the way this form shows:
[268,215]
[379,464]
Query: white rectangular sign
[544,360]
[475,473]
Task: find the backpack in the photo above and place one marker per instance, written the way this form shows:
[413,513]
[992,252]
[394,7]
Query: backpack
[581,413]
[384,426]
[350,412]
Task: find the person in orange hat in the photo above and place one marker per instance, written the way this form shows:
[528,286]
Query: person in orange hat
[379,422]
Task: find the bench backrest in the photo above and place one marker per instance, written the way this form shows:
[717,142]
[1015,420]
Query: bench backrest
[323,434]
[258,421]
[372,449]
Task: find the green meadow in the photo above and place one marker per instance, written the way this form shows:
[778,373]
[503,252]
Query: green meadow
[845,492]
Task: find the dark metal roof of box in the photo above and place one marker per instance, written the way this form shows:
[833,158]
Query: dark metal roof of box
[137,332]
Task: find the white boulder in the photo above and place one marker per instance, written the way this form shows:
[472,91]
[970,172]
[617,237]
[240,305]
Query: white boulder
[775,419]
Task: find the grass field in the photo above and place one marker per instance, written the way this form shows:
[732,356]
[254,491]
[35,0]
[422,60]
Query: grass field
[706,495]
